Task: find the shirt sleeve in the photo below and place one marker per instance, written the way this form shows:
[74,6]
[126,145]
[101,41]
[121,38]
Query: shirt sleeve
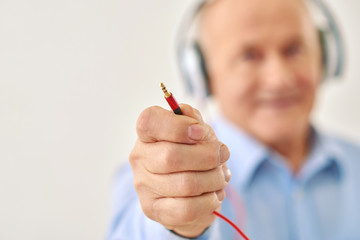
[128,220]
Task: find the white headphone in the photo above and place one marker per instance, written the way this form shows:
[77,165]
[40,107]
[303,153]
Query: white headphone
[191,62]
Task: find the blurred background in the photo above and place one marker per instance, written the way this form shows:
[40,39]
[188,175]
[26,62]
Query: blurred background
[74,76]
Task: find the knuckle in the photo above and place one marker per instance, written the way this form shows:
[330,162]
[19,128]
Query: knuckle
[133,156]
[171,158]
[168,159]
[138,183]
[148,209]
[144,122]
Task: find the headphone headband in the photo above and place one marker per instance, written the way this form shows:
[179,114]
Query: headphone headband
[192,65]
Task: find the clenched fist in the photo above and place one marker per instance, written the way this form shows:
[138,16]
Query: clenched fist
[179,169]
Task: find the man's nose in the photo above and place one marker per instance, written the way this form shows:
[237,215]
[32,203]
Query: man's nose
[277,74]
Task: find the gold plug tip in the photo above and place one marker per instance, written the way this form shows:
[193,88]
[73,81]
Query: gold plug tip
[163,88]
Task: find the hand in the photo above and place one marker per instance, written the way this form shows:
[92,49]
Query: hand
[179,169]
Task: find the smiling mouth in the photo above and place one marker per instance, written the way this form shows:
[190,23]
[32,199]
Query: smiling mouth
[279,103]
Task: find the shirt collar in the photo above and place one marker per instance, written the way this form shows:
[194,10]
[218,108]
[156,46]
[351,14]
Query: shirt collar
[326,155]
[248,155]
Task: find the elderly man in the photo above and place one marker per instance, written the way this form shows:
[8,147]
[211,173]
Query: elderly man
[288,180]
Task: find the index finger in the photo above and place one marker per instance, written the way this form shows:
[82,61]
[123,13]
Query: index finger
[157,124]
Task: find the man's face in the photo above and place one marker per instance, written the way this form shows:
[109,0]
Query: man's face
[264,63]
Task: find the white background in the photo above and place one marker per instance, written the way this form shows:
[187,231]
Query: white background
[74,75]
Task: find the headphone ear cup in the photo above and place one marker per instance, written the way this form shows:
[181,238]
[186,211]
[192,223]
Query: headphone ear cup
[194,71]
[333,50]
[203,68]
[332,54]
[324,51]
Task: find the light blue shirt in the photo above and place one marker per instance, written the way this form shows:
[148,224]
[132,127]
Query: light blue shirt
[322,202]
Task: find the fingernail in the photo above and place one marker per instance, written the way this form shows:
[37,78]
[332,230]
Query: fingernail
[195,132]
[224,153]
[227,173]
[220,195]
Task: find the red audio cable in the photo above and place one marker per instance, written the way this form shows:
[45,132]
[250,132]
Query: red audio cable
[231,223]
[171,100]
[175,107]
